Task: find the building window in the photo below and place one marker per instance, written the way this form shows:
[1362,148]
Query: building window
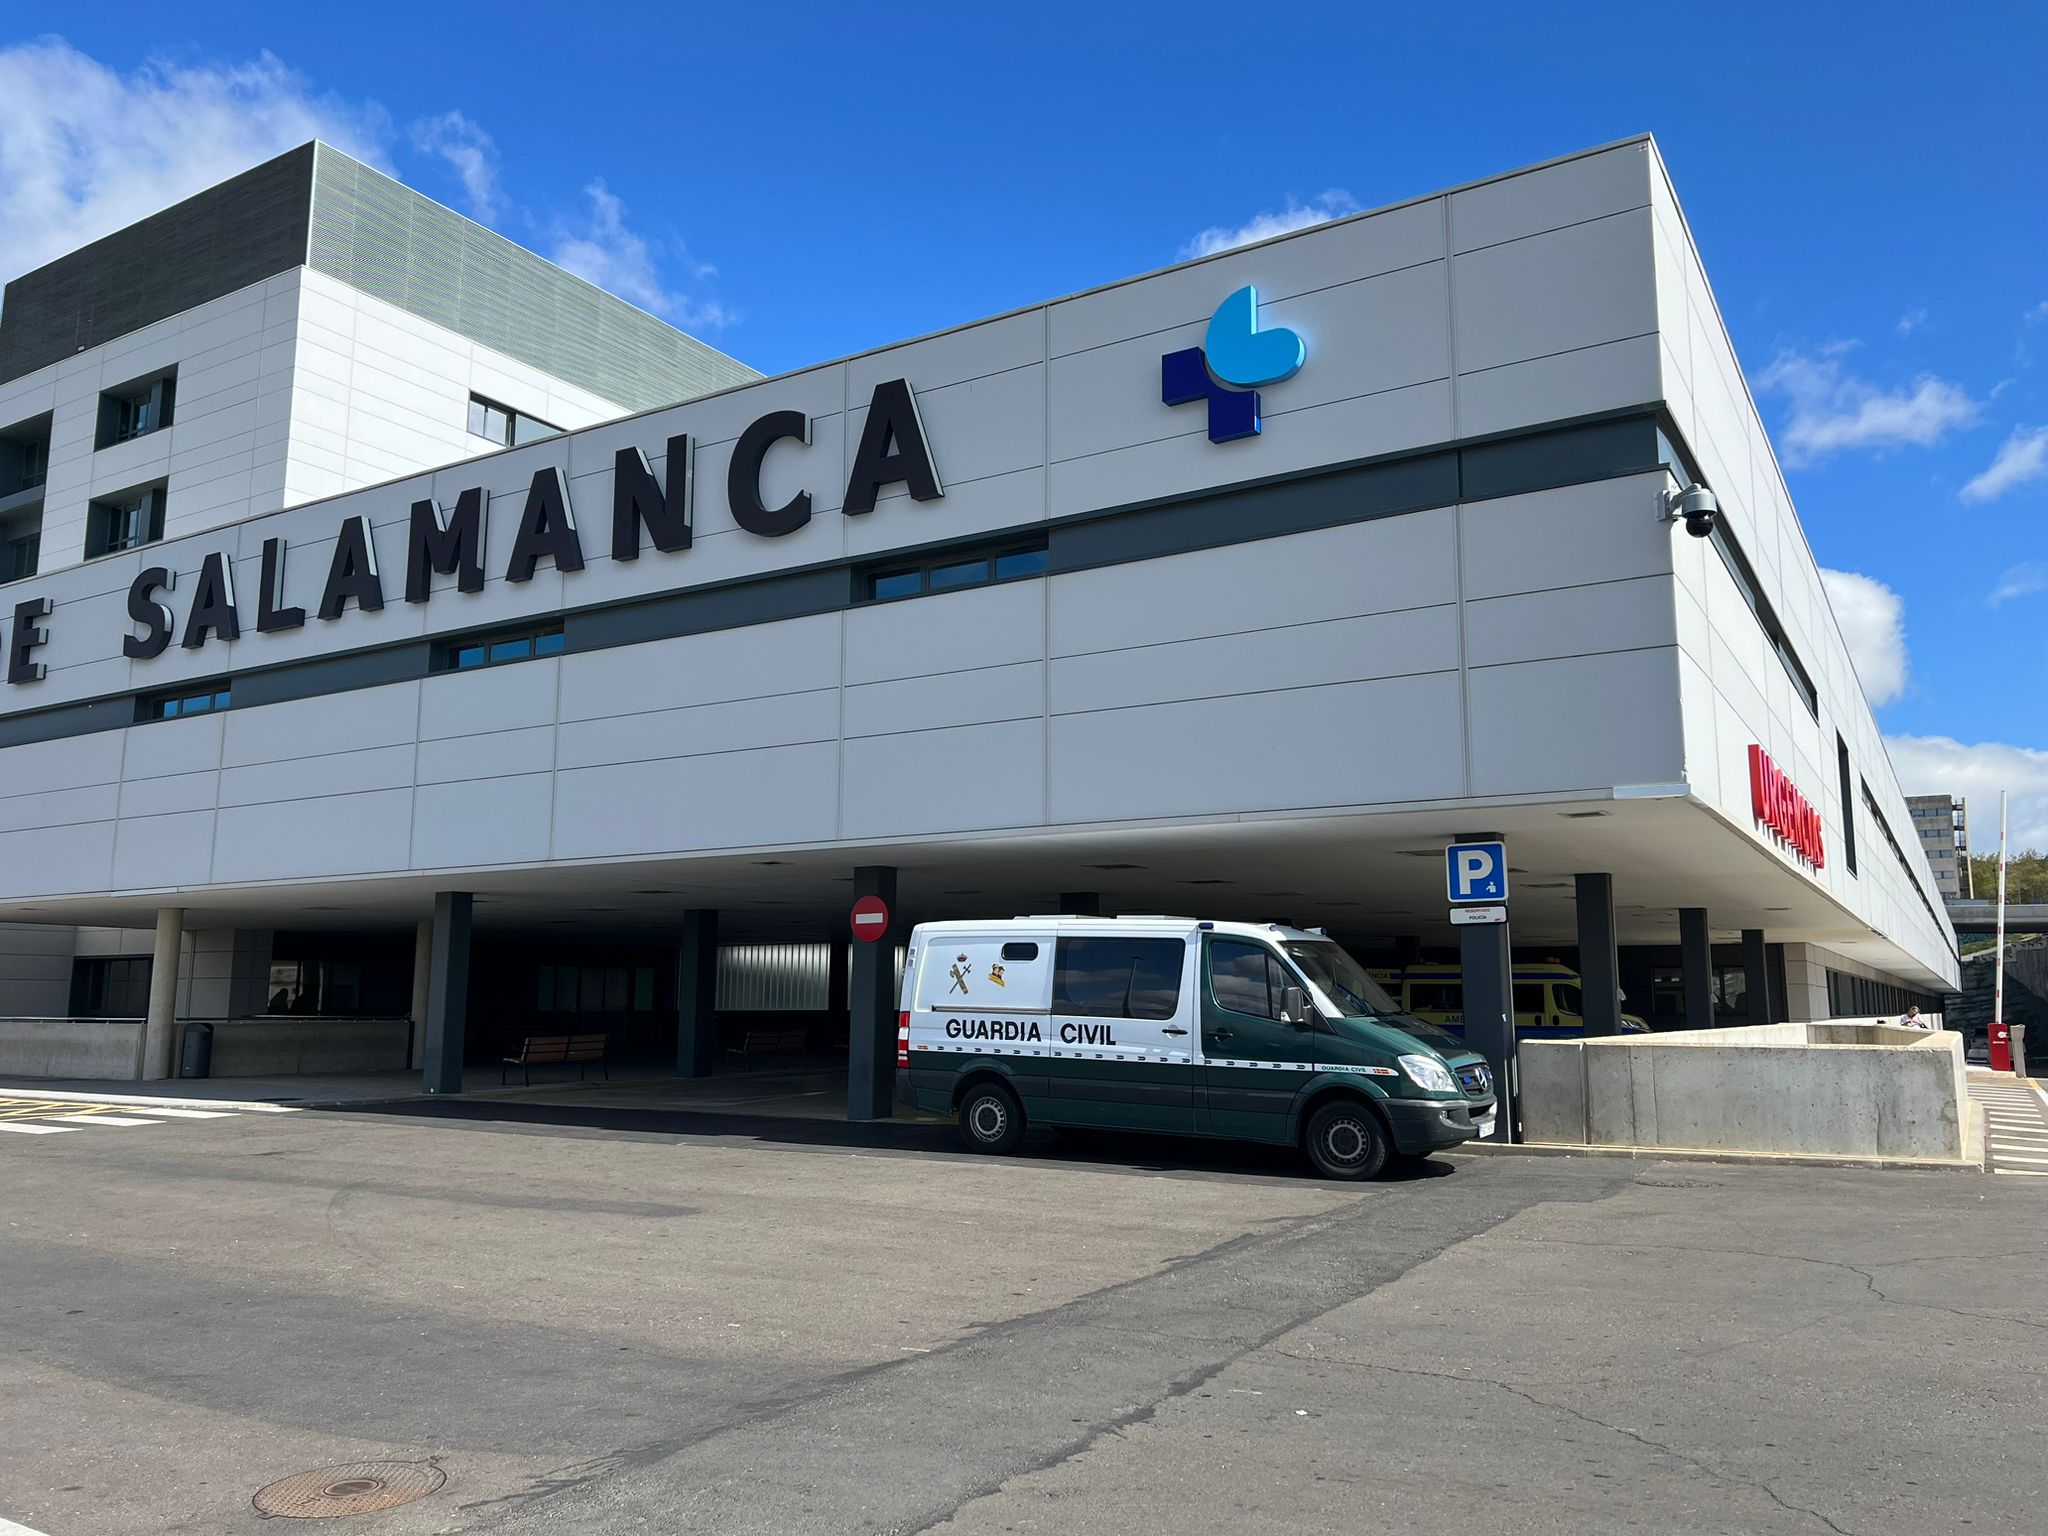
[595,989]
[504,426]
[18,555]
[127,520]
[955,569]
[136,409]
[24,457]
[1766,616]
[490,650]
[1848,803]
[115,988]
[192,699]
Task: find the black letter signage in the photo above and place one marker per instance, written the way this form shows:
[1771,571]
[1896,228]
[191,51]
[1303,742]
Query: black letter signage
[547,527]
[154,617]
[892,414]
[271,613]
[353,572]
[447,544]
[637,499]
[213,605]
[743,480]
[26,638]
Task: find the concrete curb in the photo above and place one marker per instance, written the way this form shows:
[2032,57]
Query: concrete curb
[1712,1155]
[226,1106]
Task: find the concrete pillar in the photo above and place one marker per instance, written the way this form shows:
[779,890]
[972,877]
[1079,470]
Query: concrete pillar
[422,990]
[871,1029]
[697,1040]
[160,1026]
[1080,903]
[448,992]
[1599,959]
[1756,976]
[1696,955]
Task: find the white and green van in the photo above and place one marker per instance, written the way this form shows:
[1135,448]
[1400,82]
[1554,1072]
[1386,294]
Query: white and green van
[1249,1031]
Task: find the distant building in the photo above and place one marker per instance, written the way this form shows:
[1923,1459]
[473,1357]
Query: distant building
[1944,827]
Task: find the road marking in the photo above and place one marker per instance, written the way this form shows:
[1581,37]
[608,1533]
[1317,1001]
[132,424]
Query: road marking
[187,1114]
[2024,1173]
[89,1118]
[9,1528]
[146,1101]
[2008,1157]
[32,1130]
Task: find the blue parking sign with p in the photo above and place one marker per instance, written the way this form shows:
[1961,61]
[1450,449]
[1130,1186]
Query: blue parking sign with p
[1477,871]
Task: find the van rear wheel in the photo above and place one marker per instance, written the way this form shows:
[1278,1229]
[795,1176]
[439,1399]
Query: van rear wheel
[1344,1141]
[990,1119]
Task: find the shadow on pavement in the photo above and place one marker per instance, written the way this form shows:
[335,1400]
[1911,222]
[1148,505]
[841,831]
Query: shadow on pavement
[1107,1151]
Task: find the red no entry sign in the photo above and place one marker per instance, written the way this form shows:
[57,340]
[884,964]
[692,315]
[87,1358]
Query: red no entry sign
[870,919]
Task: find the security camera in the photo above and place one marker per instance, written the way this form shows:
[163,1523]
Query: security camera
[1697,505]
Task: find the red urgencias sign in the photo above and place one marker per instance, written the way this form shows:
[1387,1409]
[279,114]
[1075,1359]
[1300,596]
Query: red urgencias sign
[1780,806]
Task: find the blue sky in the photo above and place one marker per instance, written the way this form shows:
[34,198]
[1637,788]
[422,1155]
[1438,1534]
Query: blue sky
[1866,185]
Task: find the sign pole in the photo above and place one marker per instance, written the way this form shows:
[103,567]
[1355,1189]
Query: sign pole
[1486,955]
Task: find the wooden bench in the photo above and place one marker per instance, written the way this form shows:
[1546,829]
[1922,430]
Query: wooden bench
[773,1040]
[556,1050]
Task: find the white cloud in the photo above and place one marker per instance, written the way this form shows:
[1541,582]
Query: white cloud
[606,251]
[85,150]
[2021,457]
[1833,410]
[1333,204]
[470,153]
[1911,321]
[1873,621]
[1941,765]
[2020,581]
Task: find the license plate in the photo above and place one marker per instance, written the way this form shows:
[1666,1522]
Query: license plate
[1485,1124]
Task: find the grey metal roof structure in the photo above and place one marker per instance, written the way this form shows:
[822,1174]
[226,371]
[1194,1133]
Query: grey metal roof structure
[317,207]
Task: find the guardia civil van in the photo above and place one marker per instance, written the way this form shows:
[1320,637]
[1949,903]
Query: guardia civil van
[1249,1031]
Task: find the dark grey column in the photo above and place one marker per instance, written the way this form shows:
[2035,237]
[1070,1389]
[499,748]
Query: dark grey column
[448,992]
[1487,957]
[1696,954]
[871,1026]
[697,1038]
[1599,961]
[1080,903]
[1756,976]
[836,984]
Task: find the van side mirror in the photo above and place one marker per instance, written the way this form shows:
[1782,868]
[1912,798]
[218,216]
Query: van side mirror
[1294,1008]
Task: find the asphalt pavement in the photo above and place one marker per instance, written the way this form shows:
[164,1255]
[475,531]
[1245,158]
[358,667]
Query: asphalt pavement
[591,1321]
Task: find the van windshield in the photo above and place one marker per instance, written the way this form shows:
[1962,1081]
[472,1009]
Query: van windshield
[1342,980]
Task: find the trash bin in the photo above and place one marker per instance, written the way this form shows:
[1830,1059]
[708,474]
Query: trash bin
[2001,1047]
[196,1059]
[2019,1049]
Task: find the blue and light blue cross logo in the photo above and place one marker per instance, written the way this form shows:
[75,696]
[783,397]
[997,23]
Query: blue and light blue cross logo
[1234,362]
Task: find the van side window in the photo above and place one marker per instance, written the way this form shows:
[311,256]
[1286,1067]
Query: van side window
[1014,952]
[1436,996]
[1528,997]
[1117,978]
[1245,978]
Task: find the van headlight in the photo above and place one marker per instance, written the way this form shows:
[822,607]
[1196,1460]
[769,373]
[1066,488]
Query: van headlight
[1429,1074]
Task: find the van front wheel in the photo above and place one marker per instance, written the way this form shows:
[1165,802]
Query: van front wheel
[990,1119]
[1344,1141]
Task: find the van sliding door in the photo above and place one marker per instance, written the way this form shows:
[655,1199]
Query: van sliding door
[1119,1054]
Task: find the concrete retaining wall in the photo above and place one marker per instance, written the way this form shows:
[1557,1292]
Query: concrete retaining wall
[71,1048]
[285,1047]
[112,1048]
[1845,1088]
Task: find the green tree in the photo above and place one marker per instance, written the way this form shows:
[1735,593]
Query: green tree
[2026,877]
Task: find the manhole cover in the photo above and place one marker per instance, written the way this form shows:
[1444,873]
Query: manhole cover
[360,1488]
